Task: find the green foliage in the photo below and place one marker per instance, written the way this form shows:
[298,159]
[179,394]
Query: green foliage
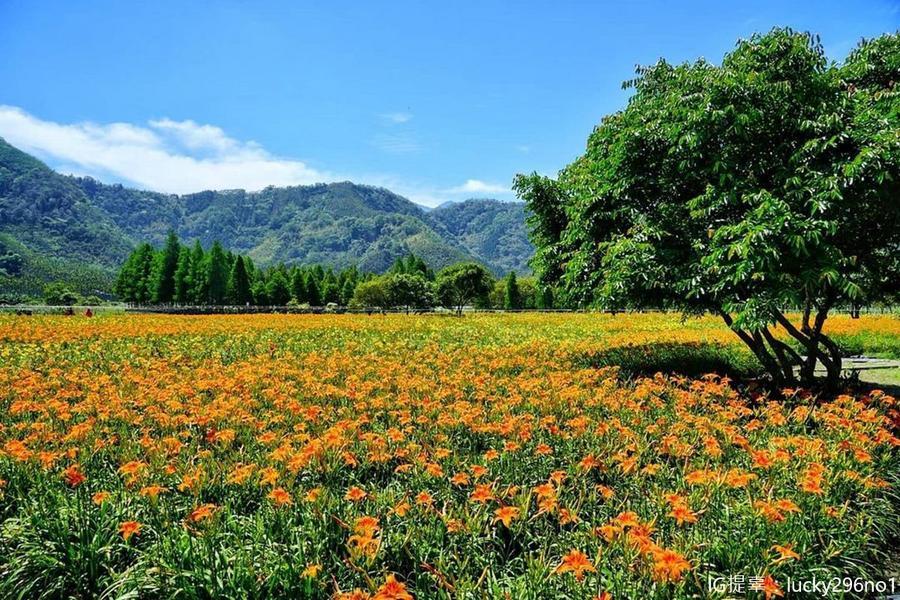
[216,274]
[372,293]
[278,290]
[492,232]
[412,265]
[461,284]
[744,189]
[688,359]
[512,298]
[184,293]
[313,295]
[164,270]
[239,284]
[57,294]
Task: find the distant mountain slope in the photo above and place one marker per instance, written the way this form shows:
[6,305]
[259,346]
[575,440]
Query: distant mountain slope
[78,229]
[492,231]
[50,230]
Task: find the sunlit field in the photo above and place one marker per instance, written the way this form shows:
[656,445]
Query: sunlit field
[507,456]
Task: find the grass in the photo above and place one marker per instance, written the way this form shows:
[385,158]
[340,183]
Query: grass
[522,456]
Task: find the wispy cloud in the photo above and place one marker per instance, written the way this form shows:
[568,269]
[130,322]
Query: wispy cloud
[476,186]
[165,155]
[185,156]
[396,143]
[396,118]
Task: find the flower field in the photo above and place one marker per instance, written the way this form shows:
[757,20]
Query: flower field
[507,456]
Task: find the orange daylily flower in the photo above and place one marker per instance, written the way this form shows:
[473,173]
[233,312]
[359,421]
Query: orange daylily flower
[129,528]
[577,563]
[506,515]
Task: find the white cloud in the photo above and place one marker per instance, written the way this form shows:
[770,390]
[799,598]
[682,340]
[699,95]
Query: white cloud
[185,156]
[396,118]
[476,186]
[167,156]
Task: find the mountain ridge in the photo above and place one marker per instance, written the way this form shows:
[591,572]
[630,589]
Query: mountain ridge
[59,223]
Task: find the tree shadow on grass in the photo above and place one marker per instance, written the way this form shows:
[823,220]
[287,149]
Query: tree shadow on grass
[689,359]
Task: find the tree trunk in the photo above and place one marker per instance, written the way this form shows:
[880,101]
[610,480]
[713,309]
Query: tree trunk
[819,347]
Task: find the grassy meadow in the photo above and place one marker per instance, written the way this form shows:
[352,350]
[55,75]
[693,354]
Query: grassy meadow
[500,456]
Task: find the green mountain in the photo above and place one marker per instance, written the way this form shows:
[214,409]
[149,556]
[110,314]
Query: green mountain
[76,229]
[494,232]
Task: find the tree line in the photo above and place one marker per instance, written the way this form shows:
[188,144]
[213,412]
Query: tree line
[192,275]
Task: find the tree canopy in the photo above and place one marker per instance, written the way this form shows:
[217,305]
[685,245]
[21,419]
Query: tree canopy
[461,284]
[765,183]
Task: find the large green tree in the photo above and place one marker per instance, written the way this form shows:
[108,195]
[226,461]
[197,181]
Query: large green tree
[409,291]
[744,189]
[461,284]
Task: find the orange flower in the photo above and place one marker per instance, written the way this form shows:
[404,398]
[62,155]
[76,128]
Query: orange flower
[669,565]
[771,588]
[628,519]
[460,479]
[786,552]
[478,471]
[506,514]
[588,462]
[482,493]
[577,563]
[202,513]
[100,497]
[682,514]
[311,571]
[366,526]
[608,531]
[280,497]
[392,590]
[152,491]
[129,528]
[567,516]
[73,476]
[424,499]
[543,449]
[355,494]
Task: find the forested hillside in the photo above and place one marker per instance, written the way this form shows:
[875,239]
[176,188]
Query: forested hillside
[80,230]
[492,231]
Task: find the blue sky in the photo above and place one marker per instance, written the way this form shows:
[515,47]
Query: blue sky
[437,101]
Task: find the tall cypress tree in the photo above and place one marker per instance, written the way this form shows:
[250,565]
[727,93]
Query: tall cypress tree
[313,295]
[124,287]
[143,274]
[331,291]
[298,287]
[513,298]
[278,289]
[239,284]
[217,274]
[164,271]
[347,291]
[199,283]
[183,286]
